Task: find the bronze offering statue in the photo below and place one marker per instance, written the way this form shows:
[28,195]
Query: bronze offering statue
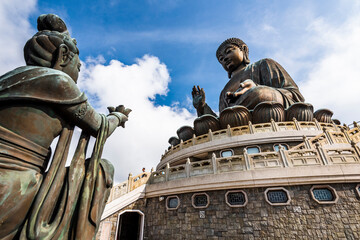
[249,84]
[39,102]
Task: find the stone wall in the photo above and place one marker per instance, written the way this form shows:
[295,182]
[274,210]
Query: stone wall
[303,218]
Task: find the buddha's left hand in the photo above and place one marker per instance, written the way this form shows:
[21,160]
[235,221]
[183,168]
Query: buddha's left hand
[244,87]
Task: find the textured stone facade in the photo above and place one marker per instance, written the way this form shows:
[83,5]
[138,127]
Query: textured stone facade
[303,218]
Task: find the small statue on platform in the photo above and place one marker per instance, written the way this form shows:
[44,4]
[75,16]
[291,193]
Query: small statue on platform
[249,84]
[39,102]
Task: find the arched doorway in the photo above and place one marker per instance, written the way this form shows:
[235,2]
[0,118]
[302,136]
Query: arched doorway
[130,225]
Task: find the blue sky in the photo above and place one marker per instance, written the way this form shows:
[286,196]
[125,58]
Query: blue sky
[185,34]
[148,55]
[182,34]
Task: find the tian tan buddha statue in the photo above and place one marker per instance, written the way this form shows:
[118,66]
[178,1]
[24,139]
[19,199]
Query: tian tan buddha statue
[264,81]
[39,102]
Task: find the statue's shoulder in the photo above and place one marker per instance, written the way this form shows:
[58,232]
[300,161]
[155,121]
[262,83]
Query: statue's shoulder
[266,64]
[265,61]
[40,84]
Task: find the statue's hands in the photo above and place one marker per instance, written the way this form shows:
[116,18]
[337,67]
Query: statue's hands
[198,95]
[121,113]
[244,87]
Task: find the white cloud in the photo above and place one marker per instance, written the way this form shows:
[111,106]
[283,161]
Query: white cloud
[321,52]
[334,80]
[149,127]
[15,31]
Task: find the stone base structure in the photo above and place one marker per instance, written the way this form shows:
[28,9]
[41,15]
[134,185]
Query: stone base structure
[287,180]
[302,218]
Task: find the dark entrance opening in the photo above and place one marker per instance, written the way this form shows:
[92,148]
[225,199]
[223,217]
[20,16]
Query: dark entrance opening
[129,226]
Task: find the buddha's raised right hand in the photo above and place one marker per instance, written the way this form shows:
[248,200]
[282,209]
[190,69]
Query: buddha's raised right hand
[198,95]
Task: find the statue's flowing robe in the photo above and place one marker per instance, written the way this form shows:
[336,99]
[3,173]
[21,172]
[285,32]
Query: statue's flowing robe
[64,202]
[265,72]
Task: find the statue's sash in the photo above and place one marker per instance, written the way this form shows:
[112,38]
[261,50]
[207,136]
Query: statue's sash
[64,206]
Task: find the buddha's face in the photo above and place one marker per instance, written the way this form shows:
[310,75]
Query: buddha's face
[231,57]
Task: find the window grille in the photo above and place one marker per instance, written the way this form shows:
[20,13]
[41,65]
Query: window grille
[173,202]
[236,198]
[323,194]
[200,200]
[277,196]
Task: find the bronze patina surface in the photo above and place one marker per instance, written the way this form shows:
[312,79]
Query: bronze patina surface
[249,84]
[39,102]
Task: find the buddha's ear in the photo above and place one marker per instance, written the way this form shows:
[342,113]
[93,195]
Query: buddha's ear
[244,48]
[63,57]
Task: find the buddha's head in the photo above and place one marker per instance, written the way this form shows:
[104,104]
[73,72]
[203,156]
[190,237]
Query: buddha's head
[232,54]
[53,47]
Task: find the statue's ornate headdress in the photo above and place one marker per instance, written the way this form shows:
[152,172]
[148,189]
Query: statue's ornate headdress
[40,49]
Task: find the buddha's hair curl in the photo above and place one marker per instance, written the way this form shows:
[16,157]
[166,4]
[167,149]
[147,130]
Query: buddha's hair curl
[237,42]
[40,50]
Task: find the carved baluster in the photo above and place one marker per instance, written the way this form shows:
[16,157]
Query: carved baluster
[181,144]
[357,149]
[213,162]
[335,126]
[194,139]
[228,130]
[297,125]
[346,134]
[283,156]
[317,124]
[210,134]
[321,153]
[274,125]
[251,128]
[187,167]
[247,160]
[328,136]
[307,142]
[167,172]
[130,183]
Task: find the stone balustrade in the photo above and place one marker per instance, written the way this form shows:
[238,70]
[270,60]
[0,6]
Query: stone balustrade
[129,185]
[251,129]
[318,155]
